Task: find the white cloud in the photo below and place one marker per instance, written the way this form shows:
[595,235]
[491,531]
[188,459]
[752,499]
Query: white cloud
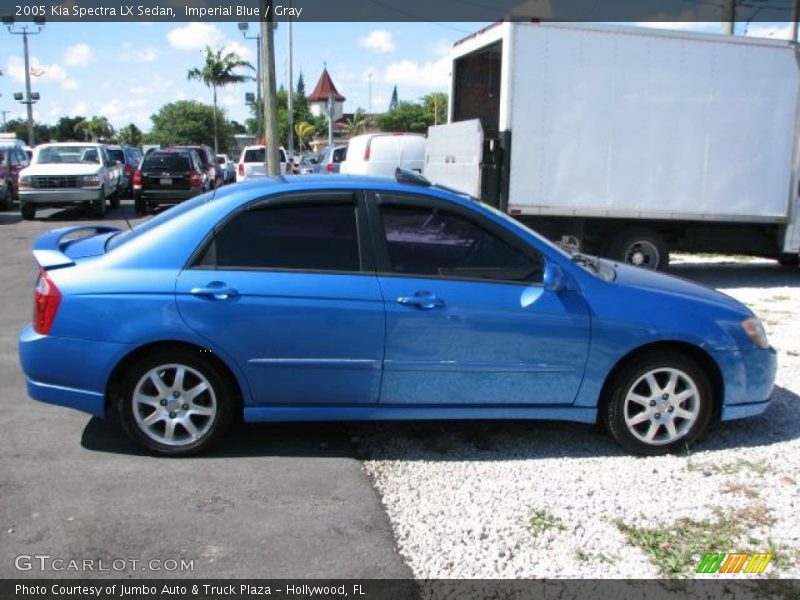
[428,75]
[79,108]
[244,52]
[378,40]
[194,36]
[70,84]
[229,100]
[41,73]
[442,47]
[79,55]
[696,26]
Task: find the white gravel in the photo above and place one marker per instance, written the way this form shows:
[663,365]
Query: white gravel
[461,496]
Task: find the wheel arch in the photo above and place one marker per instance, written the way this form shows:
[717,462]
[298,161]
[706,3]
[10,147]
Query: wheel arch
[114,385]
[703,359]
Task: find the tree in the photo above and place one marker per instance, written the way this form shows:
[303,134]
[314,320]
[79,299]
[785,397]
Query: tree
[301,110]
[130,134]
[218,71]
[64,129]
[95,128]
[408,116]
[19,127]
[435,105]
[394,103]
[187,122]
[357,123]
[304,132]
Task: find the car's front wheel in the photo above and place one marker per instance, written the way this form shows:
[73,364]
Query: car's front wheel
[175,403]
[99,205]
[659,403]
[28,211]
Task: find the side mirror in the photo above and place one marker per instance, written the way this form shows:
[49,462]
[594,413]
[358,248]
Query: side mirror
[554,278]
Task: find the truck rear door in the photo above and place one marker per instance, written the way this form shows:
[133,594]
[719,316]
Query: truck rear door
[453,156]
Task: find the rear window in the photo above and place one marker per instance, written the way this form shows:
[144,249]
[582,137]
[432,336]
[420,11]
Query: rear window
[116,155]
[259,155]
[159,161]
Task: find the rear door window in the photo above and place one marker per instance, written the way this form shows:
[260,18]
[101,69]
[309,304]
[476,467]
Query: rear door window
[156,161]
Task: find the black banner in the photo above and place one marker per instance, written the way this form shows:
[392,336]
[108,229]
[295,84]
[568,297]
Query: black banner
[399,10]
[712,588]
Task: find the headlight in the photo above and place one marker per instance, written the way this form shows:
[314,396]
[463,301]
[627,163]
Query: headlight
[24,182]
[90,181]
[755,331]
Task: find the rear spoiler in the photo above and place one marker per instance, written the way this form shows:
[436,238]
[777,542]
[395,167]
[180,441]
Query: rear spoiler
[47,247]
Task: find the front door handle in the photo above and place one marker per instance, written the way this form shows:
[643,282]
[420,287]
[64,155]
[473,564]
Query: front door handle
[217,290]
[422,301]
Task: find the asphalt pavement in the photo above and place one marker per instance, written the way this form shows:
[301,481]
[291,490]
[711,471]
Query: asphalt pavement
[273,501]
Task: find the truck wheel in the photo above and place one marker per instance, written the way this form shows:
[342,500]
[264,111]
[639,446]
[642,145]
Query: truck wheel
[789,260]
[659,402]
[99,206]
[28,211]
[644,248]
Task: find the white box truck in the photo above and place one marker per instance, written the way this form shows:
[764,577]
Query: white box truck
[628,142]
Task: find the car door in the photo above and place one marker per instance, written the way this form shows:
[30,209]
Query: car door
[467,319]
[287,289]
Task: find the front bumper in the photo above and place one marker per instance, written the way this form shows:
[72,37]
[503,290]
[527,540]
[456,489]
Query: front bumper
[65,196]
[749,387]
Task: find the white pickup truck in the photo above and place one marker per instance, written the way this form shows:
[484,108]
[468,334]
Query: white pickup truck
[69,173]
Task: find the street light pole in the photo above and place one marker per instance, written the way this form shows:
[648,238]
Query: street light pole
[243,27]
[290,107]
[25,31]
[271,143]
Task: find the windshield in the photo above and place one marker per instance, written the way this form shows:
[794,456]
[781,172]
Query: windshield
[67,154]
[157,161]
[125,236]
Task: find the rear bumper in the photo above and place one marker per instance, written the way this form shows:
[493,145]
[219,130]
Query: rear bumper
[68,372]
[64,196]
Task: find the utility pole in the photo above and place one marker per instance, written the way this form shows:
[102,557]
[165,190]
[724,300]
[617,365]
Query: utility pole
[5,112]
[272,160]
[243,27]
[795,20]
[30,99]
[290,106]
[728,17]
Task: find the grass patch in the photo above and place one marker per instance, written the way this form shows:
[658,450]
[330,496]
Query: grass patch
[542,521]
[677,549]
[731,468]
[740,489]
[584,556]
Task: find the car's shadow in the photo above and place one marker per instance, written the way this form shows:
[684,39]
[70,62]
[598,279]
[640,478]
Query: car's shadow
[456,440]
[735,274]
[10,217]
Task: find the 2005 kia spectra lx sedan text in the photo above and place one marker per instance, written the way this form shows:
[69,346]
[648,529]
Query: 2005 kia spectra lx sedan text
[336,298]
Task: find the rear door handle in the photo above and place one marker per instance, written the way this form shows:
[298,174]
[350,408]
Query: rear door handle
[421,300]
[217,290]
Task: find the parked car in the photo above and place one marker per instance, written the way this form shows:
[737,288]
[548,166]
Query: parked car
[228,168]
[350,298]
[251,162]
[12,160]
[332,158]
[168,177]
[130,157]
[207,155]
[308,164]
[381,153]
[69,173]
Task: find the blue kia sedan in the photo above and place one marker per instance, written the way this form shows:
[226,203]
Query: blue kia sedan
[342,298]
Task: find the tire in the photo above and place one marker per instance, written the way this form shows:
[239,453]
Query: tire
[115,199]
[209,412]
[28,211]
[140,206]
[640,247]
[99,206]
[789,260]
[7,203]
[637,413]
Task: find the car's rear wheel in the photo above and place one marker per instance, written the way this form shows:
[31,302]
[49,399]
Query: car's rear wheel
[659,403]
[115,199]
[28,211]
[175,403]
[140,206]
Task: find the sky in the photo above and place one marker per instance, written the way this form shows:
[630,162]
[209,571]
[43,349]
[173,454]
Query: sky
[126,71]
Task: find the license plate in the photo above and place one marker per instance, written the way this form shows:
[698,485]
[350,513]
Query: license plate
[165,181]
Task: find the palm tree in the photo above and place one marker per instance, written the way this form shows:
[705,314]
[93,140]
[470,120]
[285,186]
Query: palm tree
[357,124]
[219,71]
[95,128]
[130,134]
[305,131]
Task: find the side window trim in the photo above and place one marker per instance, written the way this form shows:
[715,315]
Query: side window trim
[391,198]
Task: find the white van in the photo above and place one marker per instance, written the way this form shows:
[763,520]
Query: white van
[381,153]
[251,162]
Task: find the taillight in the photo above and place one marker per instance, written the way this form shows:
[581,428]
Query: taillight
[128,170]
[329,167]
[241,169]
[195,179]
[46,299]
[137,178]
